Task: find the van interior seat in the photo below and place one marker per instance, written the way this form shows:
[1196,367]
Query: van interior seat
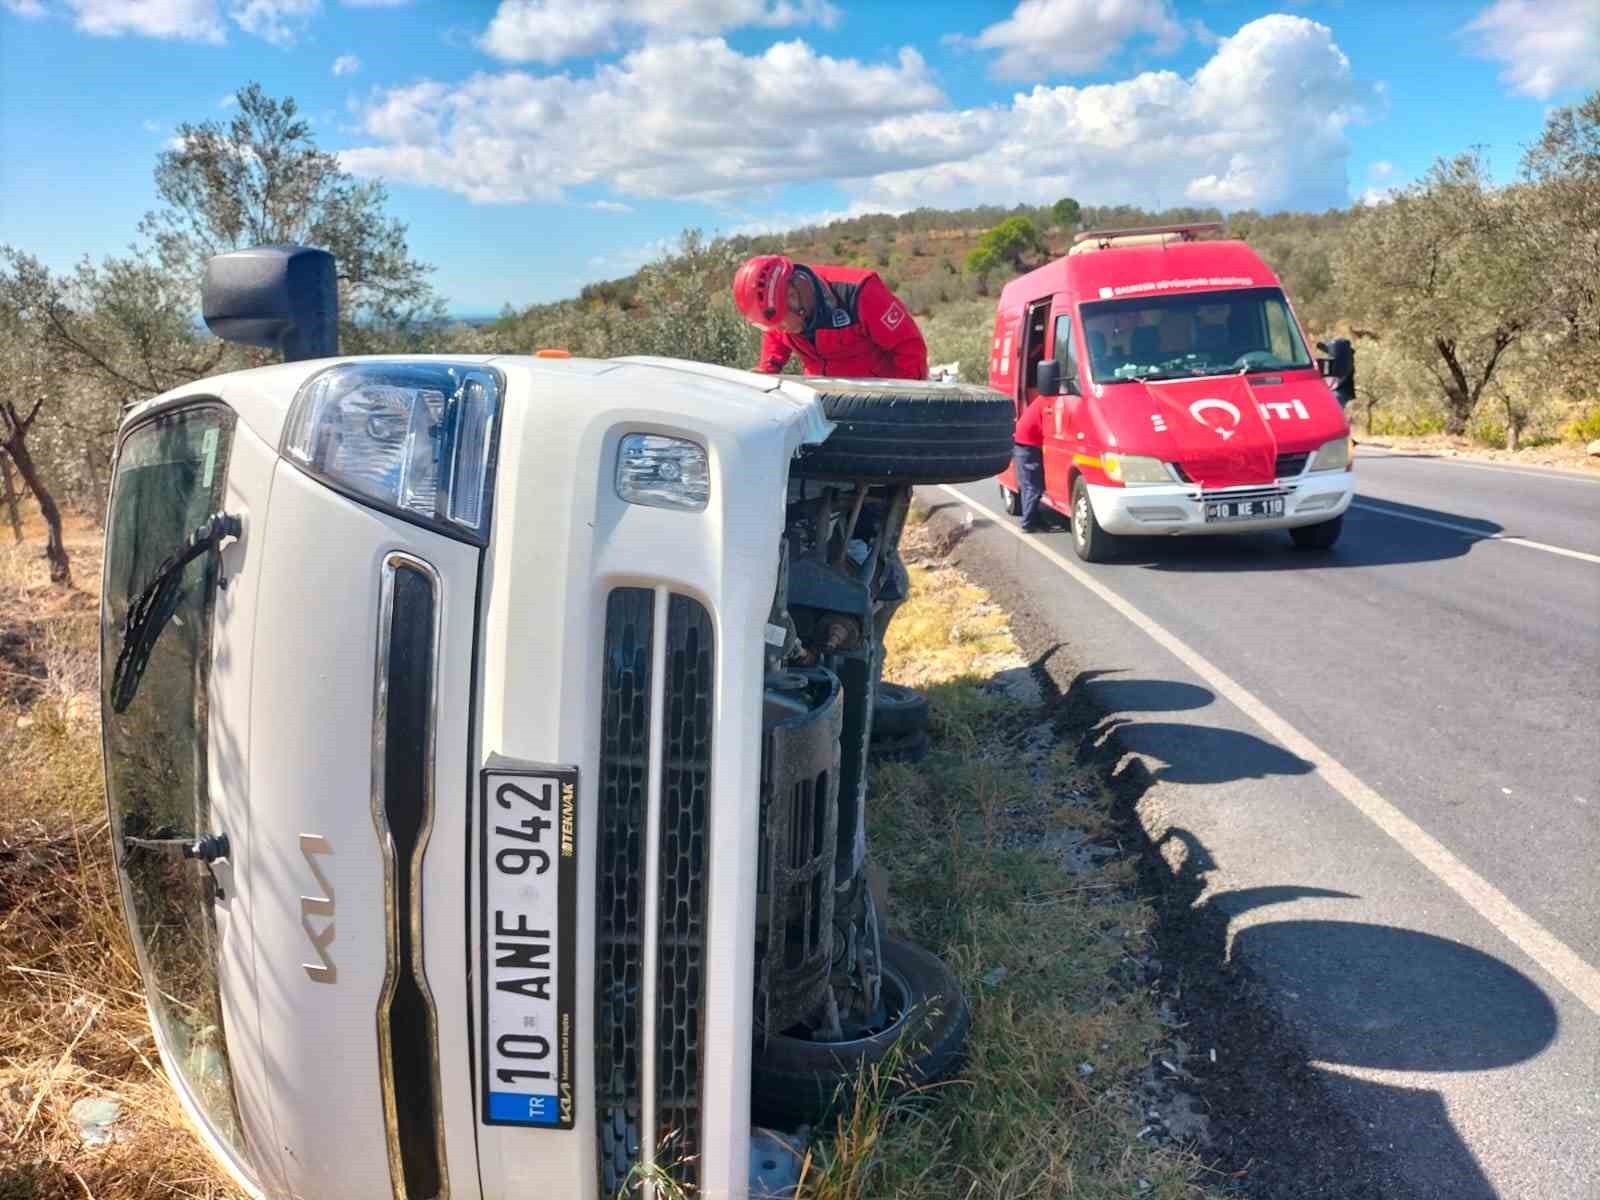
[1210,338]
[1146,341]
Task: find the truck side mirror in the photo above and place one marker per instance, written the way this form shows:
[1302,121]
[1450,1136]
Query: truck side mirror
[1339,368]
[283,297]
[1049,377]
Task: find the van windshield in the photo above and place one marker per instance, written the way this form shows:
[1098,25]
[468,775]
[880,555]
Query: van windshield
[1196,333]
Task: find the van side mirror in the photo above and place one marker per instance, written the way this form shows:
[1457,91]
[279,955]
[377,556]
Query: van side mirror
[1339,368]
[1049,377]
[283,297]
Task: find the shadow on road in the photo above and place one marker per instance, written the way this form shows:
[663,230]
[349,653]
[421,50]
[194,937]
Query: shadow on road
[1371,538]
[1377,533]
[1295,1005]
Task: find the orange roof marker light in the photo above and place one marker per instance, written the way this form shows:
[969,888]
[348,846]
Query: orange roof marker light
[552,353]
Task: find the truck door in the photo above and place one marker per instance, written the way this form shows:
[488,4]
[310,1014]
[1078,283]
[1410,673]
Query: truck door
[1064,421]
[1035,332]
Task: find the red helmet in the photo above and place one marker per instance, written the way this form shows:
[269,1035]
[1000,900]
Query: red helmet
[759,288]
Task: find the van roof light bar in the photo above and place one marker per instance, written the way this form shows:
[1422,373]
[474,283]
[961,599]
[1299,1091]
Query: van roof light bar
[1188,233]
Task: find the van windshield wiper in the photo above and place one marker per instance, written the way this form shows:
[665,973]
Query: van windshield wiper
[149,613]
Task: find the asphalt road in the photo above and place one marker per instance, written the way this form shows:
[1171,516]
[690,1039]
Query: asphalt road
[1382,766]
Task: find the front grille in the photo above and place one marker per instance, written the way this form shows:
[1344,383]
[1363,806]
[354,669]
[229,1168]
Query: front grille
[1291,464]
[648,1072]
[402,804]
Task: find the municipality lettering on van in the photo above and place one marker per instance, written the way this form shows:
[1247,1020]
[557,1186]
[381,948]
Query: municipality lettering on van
[1181,396]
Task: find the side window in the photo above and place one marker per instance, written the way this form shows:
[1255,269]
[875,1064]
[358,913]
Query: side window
[1066,353]
[1279,340]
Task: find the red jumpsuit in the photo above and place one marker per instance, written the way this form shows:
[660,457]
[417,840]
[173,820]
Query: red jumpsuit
[860,330]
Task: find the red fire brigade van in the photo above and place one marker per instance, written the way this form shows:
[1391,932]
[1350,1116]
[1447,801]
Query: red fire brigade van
[1182,397]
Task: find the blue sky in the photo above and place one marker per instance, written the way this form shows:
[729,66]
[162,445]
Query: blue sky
[535,145]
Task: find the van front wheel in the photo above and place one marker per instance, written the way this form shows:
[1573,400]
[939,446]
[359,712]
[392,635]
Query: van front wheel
[1320,536]
[1090,542]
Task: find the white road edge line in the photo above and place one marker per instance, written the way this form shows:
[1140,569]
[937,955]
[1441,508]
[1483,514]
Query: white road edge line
[1510,539]
[1538,943]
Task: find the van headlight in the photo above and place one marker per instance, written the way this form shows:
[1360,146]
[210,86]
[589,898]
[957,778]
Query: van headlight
[1331,456]
[663,472]
[415,438]
[1135,468]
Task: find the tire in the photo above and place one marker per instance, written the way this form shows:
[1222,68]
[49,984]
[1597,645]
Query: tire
[904,431]
[1089,541]
[795,1081]
[1320,536]
[1011,500]
[910,748]
[898,711]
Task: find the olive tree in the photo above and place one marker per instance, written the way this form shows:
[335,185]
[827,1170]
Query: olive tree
[1444,270]
[260,179]
[1560,221]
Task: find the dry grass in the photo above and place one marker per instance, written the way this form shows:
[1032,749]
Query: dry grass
[1047,1104]
[72,1018]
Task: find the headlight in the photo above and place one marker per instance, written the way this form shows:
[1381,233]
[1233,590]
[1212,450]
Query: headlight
[663,472]
[1331,456]
[1135,468]
[415,438]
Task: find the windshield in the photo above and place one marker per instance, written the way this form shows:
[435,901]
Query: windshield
[1198,333]
[170,476]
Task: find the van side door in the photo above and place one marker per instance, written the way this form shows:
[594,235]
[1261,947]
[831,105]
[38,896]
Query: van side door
[1065,420]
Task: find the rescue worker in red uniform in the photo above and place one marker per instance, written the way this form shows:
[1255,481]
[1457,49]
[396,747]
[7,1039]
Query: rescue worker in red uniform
[1027,456]
[841,321]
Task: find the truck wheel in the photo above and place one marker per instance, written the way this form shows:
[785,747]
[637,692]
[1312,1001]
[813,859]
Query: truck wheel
[1320,536]
[903,431]
[1011,500]
[1089,541]
[798,1081]
[907,748]
[898,711]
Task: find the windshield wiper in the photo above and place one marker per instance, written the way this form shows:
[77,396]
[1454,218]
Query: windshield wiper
[153,608]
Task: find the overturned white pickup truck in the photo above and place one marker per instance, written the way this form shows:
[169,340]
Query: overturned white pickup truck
[486,746]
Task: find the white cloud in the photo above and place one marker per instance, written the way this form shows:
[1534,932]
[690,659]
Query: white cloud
[184,20]
[549,31]
[346,64]
[1547,46]
[151,126]
[231,100]
[694,118]
[374,3]
[1261,124]
[1374,196]
[277,21]
[23,8]
[610,206]
[1380,170]
[1043,39]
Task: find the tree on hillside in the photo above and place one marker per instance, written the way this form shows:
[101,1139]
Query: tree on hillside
[1560,220]
[1007,244]
[1065,212]
[261,179]
[1444,271]
[27,380]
